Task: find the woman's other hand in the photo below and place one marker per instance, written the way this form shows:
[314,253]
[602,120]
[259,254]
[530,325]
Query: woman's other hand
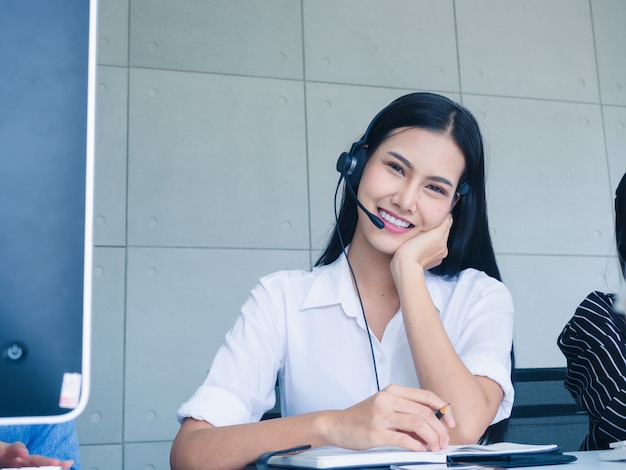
[395,416]
[16,455]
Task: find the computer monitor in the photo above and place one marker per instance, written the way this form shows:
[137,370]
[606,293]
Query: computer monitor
[47,99]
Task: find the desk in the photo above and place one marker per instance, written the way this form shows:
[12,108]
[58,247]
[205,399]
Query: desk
[589,460]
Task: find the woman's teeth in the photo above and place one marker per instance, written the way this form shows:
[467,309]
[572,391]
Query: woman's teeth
[392,220]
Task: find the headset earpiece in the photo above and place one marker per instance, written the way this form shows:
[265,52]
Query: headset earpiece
[351,164]
[463,188]
[345,163]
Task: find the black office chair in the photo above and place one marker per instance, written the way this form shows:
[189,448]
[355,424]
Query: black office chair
[544,411]
[274,412]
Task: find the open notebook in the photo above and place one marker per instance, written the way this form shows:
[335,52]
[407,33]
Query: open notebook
[338,458]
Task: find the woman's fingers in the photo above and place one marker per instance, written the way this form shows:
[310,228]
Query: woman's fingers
[413,412]
[429,248]
[395,416]
[16,455]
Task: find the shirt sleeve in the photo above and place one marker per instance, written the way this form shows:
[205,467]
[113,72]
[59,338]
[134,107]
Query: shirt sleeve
[593,344]
[479,322]
[240,384]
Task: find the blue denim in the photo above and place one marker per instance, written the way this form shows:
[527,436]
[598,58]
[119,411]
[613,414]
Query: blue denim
[57,441]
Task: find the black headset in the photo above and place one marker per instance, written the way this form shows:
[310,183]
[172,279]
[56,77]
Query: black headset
[350,164]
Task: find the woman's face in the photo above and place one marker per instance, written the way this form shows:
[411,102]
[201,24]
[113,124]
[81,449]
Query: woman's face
[410,182]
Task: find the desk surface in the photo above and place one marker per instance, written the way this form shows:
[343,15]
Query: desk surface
[587,461]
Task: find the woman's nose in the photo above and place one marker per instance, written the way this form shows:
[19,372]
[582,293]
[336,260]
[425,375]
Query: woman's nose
[406,198]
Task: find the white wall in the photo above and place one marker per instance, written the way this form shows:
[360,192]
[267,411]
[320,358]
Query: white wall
[219,123]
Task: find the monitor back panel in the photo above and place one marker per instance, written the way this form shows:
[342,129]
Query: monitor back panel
[46,175]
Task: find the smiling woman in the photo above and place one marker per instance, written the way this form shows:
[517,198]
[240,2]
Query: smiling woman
[403,313]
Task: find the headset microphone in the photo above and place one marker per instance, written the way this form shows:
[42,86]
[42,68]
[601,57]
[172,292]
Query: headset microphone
[375,219]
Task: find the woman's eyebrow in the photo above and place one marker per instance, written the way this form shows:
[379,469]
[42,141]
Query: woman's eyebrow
[408,164]
[442,180]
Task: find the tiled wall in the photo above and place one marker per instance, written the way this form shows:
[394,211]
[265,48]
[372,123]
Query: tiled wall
[219,123]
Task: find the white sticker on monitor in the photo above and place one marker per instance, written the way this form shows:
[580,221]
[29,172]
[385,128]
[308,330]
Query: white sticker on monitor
[70,390]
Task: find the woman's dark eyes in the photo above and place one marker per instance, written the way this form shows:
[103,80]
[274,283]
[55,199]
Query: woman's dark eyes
[395,167]
[437,189]
[433,187]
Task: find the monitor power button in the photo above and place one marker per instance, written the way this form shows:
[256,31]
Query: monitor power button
[14,351]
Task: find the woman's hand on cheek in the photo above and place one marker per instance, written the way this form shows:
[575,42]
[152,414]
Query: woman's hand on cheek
[427,249]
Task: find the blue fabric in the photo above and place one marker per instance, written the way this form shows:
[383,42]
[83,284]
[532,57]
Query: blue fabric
[57,441]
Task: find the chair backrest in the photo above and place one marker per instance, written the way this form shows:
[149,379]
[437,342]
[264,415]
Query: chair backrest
[544,411]
[274,412]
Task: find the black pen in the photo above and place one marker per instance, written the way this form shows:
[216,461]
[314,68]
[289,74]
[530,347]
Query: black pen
[442,411]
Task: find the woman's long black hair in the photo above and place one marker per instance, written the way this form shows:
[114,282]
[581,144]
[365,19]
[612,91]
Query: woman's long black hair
[469,243]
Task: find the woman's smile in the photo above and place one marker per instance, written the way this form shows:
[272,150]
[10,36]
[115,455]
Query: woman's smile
[393,222]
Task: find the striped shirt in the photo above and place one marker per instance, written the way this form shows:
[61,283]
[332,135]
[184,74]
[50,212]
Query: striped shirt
[594,344]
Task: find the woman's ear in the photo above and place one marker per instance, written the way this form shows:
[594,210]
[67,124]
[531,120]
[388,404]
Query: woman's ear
[460,191]
[455,200]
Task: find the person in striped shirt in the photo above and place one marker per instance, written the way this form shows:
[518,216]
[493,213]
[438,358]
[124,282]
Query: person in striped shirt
[594,344]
